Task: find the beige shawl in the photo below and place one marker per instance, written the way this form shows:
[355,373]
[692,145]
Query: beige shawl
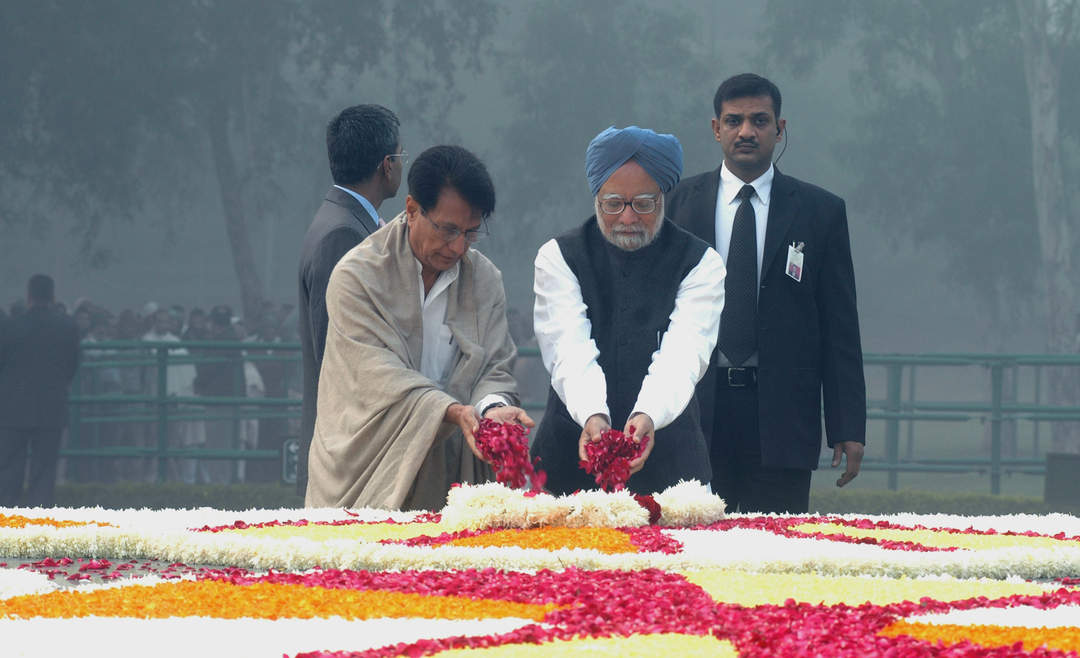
[379,437]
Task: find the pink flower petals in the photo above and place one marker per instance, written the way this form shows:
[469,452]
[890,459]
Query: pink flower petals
[609,458]
[506,447]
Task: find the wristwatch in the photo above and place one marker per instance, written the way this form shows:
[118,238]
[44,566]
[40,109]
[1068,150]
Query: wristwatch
[493,405]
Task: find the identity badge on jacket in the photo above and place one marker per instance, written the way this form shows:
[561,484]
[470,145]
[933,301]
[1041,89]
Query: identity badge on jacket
[794,265]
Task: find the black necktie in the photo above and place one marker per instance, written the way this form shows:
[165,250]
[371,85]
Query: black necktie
[738,323]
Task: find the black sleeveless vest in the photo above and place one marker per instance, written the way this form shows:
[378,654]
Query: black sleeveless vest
[629,296]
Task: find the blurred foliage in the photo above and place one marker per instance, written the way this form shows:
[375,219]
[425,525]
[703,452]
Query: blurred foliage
[940,127]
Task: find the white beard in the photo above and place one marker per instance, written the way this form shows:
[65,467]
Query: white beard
[630,238]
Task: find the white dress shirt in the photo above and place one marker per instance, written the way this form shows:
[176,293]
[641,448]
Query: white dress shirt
[570,355]
[439,350]
[727,204]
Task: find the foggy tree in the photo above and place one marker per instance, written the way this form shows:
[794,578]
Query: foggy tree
[957,141]
[572,69]
[100,97]
[1048,28]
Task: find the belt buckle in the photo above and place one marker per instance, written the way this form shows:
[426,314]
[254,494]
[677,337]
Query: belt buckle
[732,373]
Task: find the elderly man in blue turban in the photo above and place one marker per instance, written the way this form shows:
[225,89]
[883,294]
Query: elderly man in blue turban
[627,313]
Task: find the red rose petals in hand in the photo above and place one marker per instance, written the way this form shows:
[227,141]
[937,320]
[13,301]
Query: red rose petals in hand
[610,457]
[506,447]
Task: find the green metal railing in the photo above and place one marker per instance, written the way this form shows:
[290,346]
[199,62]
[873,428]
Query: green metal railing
[151,407]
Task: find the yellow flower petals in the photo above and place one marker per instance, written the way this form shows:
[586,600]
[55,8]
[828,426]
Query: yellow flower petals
[750,589]
[604,540]
[259,601]
[18,521]
[1066,639]
[368,532]
[937,539]
[637,646]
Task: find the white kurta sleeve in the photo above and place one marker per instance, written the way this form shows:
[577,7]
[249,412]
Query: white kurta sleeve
[564,336]
[687,344]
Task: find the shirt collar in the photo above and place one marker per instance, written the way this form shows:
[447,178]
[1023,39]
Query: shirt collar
[730,184]
[442,282]
[365,203]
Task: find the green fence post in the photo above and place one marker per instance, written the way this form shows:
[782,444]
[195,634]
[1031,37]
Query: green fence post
[1038,401]
[78,387]
[895,374]
[910,448]
[995,427]
[162,412]
[240,390]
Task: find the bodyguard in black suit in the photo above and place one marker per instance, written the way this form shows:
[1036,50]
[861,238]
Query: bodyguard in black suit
[789,333]
[366,162]
[39,353]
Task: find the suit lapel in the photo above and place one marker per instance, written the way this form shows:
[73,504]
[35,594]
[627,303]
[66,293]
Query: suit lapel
[705,212]
[782,207]
[347,201]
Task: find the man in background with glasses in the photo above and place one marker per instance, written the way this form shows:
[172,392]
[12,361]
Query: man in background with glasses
[366,163]
[417,351]
[627,311]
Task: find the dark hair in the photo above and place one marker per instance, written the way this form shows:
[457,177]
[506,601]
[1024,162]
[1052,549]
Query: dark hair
[745,85]
[358,139]
[453,166]
[41,288]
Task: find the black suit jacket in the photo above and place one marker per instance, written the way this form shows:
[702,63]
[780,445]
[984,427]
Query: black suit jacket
[808,332]
[340,224]
[39,353]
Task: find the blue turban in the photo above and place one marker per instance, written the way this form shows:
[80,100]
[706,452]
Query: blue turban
[659,155]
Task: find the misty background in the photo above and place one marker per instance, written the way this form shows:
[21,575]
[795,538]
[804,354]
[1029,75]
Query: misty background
[174,152]
[110,112]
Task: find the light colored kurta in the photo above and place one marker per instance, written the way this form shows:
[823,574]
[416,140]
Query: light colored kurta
[379,437]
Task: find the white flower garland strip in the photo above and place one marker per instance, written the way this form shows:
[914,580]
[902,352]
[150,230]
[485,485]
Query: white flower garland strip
[746,550]
[1048,524]
[182,637]
[493,505]
[759,550]
[18,582]
[689,503]
[184,519]
[1065,616]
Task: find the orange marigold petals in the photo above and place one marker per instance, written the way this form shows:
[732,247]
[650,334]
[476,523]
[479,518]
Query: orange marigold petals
[18,521]
[1066,639]
[605,540]
[259,601]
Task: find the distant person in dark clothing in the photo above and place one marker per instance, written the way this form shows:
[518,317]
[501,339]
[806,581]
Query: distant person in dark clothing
[366,163]
[221,377]
[39,353]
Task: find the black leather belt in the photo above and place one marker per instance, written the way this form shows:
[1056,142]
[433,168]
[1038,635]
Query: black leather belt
[738,377]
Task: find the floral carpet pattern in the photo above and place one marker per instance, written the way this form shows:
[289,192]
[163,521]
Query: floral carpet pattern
[502,573]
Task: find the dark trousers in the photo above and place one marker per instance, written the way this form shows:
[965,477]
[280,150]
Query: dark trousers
[735,452]
[43,446]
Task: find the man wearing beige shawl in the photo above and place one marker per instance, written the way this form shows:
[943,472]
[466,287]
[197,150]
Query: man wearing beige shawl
[417,348]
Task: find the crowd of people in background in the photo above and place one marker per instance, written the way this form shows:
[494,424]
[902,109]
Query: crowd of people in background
[194,375]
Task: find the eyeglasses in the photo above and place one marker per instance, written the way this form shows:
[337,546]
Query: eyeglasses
[451,233]
[643,204]
[403,155]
